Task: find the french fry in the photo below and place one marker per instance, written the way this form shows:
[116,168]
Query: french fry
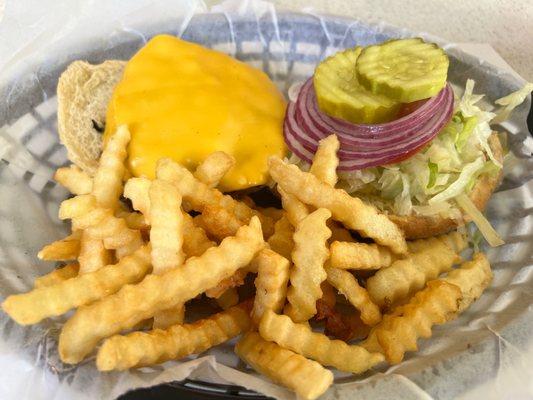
[351,255]
[281,241]
[271,283]
[348,286]
[274,213]
[140,349]
[306,377]
[195,240]
[57,275]
[406,276]
[339,233]
[399,331]
[134,303]
[134,220]
[235,280]
[213,168]
[325,161]
[62,250]
[74,179]
[166,234]
[199,195]
[93,255]
[472,277]
[351,211]
[138,191]
[296,210]
[316,346]
[228,299]
[49,301]
[107,181]
[454,240]
[218,222]
[309,255]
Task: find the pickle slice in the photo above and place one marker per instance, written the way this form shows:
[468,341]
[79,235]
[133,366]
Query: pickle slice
[405,70]
[339,94]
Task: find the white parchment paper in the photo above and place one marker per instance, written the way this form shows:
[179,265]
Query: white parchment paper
[486,353]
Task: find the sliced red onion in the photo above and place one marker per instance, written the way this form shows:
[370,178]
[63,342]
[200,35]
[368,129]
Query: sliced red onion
[364,146]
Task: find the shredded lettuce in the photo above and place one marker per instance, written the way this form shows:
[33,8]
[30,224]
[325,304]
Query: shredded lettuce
[484,226]
[457,187]
[433,172]
[510,102]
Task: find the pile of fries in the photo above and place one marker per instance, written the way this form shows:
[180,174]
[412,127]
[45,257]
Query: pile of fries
[325,262]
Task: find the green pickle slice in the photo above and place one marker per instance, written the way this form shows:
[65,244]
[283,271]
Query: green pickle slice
[405,70]
[339,94]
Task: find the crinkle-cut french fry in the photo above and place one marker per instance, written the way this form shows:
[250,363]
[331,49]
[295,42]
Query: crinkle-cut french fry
[399,331]
[270,283]
[351,211]
[351,255]
[317,346]
[134,220]
[195,240]
[77,206]
[309,255]
[305,377]
[348,286]
[140,349]
[406,276]
[282,241]
[214,167]
[228,299]
[93,255]
[218,222]
[172,316]
[296,210]
[339,233]
[454,240]
[57,275]
[49,301]
[199,195]
[166,234]
[74,179]
[134,303]
[271,212]
[138,191]
[472,277]
[107,181]
[325,161]
[62,250]
[235,280]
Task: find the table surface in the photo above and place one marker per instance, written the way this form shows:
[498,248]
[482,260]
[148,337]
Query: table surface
[507,25]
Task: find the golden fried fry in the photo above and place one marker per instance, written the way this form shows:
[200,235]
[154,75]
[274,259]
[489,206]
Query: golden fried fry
[351,211]
[62,250]
[325,161]
[454,240]
[49,301]
[93,255]
[218,222]
[138,191]
[172,316]
[134,220]
[309,255]
[77,206]
[404,277]
[317,346]
[296,210]
[472,277]
[166,234]
[339,233]
[235,280]
[213,168]
[270,284]
[351,255]
[399,331]
[140,349]
[134,303]
[74,179]
[348,286]
[274,213]
[199,195]
[307,378]
[107,181]
[281,241]
[57,275]
[195,240]
[228,299]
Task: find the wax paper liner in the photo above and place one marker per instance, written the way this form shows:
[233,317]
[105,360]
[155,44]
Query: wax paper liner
[490,343]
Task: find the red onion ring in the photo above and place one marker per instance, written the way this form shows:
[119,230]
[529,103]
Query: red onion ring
[364,146]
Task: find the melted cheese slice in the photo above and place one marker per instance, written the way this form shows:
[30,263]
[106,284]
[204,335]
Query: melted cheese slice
[184,101]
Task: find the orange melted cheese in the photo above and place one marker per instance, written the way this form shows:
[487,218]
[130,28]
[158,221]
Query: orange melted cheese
[184,101]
